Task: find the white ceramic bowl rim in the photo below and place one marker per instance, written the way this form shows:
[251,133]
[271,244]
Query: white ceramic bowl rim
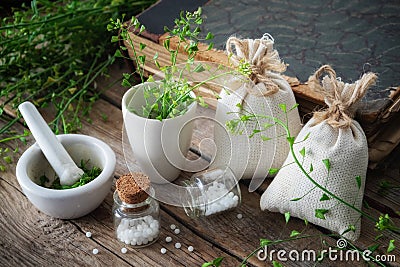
[105,150]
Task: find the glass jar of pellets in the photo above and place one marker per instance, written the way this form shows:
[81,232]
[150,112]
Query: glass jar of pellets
[211,192]
[137,224]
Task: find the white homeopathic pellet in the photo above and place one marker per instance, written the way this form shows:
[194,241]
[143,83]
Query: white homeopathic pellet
[173,226]
[88,234]
[163,250]
[219,199]
[178,245]
[124,250]
[190,248]
[177,231]
[95,251]
[168,239]
[137,232]
[239,216]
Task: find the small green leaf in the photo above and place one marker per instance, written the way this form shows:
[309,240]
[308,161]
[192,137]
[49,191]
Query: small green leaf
[290,140]
[118,53]
[104,117]
[2,168]
[294,233]
[199,68]
[296,199]
[324,197]
[166,44]
[265,138]
[305,222]
[373,247]
[287,216]
[23,140]
[210,46]
[358,179]
[7,159]
[282,107]
[303,152]
[155,57]
[327,164]
[126,76]
[267,125]
[142,46]
[276,264]
[114,39]
[311,168]
[265,242]
[273,171]
[150,79]
[320,213]
[239,105]
[351,228]
[255,131]
[209,36]
[378,237]
[126,83]
[306,137]
[142,59]
[391,246]
[294,106]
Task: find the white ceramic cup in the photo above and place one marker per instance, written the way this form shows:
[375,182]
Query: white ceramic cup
[159,147]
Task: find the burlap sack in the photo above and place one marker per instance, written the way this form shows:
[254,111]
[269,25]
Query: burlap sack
[252,157]
[333,135]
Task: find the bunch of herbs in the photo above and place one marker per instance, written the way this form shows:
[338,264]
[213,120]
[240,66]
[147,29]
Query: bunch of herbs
[51,52]
[172,95]
[89,174]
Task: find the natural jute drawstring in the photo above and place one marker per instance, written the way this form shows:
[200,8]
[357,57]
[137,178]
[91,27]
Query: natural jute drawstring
[339,112]
[261,56]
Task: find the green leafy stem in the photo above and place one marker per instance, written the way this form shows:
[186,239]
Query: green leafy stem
[175,91]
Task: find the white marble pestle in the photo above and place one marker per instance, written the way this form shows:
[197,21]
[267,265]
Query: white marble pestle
[53,150]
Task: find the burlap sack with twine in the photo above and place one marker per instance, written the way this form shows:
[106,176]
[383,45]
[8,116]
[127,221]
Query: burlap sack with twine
[333,135]
[252,157]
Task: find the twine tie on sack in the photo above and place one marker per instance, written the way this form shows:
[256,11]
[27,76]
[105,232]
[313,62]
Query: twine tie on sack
[262,58]
[339,96]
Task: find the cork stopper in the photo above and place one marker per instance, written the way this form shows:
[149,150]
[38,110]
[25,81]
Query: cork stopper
[132,187]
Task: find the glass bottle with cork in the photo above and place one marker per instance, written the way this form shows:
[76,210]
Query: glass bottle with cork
[136,213]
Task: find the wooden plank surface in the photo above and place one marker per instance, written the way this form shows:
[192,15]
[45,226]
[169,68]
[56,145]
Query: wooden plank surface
[30,238]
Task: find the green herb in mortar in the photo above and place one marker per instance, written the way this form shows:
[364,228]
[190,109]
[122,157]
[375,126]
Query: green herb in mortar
[88,176]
